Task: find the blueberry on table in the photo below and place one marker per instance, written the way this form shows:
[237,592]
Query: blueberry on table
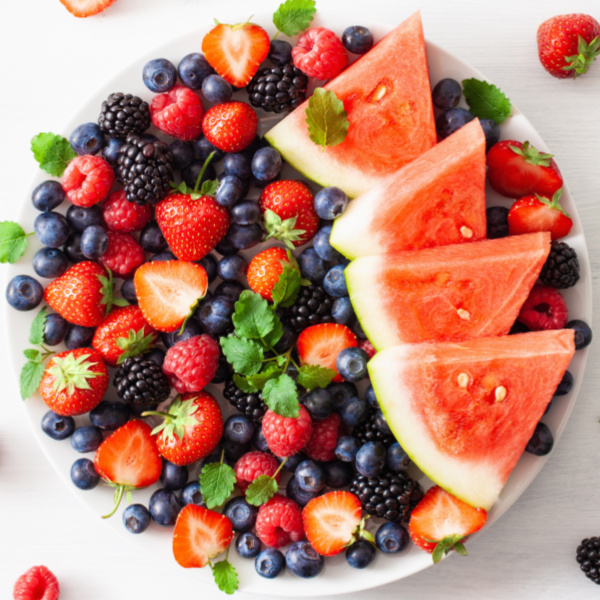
[55,329]
[81,217]
[243,237]
[259,441]
[209,263]
[361,554]
[346,449]
[491,129]
[266,164]
[216,90]
[583,333]
[280,52]
[214,315]
[310,476]
[312,266]
[565,385]
[193,69]
[351,364]
[128,291]
[541,442]
[497,222]
[370,397]
[371,458]
[355,411]
[300,497]
[302,560]
[111,150]
[164,507]
[338,474]
[191,172]
[322,246]
[152,239]
[24,292]
[292,462]
[446,93]
[192,328]
[334,282]
[248,545]
[83,474]
[318,403]
[204,149]
[86,439]
[173,477]
[357,39]
[159,75]
[391,538]
[162,256]
[56,426]
[109,416]
[239,429]
[230,191]
[50,262]
[451,121]
[241,514]
[87,138]
[397,459]
[191,494]
[237,164]
[269,563]
[183,154]
[136,518]
[47,195]
[341,393]
[51,228]
[79,336]
[229,289]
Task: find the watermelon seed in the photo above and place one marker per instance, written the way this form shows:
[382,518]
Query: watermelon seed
[465,315]
[500,393]
[463,380]
[466,232]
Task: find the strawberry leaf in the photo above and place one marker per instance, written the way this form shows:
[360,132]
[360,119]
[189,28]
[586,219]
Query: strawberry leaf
[216,483]
[532,155]
[486,101]
[245,356]
[30,377]
[285,291]
[209,188]
[282,230]
[281,396]
[135,343]
[13,242]
[36,333]
[294,16]
[225,576]
[314,376]
[586,54]
[52,152]
[326,118]
[261,490]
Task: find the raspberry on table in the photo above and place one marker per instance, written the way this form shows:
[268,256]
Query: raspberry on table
[279,522]
[124,216]
[321,444]
[253,464]
[87,180]
[124,255]
[287,435]
[319,53]
[38,583]
[178,113]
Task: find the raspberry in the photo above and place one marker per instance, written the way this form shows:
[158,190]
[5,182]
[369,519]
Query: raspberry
[279,522]
[192,363]
[39,583]
[323,440]
[178,112]
[287,435]
[124,216]
[367,347]
[319,53]
[252,465]
[124,255]
[544,308]
[87,180]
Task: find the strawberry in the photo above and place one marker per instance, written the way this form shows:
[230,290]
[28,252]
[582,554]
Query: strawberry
[440,522]
[264,270]
[331,520]
[199,535]
[230,126]
[516,169]
[168,292]
[320,345]
[86,8]
[539,213]
[236,51]
[568,44]
[128,459]
[74,382]
[289,212]
[122,334]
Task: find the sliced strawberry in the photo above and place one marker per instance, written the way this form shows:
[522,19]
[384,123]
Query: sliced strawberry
[200,534]
[331,520]
[320,344]
[168,292]
[236,51]
[441,522]
[86,8]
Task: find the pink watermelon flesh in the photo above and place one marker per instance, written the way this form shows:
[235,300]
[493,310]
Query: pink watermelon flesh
[437,199]
[387,96]
[464,412]
[456,292]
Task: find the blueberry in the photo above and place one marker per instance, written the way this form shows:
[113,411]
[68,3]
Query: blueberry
[193,69]
[162,256]
[338,474]
[47,195]
[491,129]
[359,331]
[232,268]
[361,554]
[223,372]
[86,439]
[51,228]
[183,154]
[280,52]
[230,191]
[204,149]
[216,89]
[583,333]
[237,165]
[209,263]
[152,239]
[451,121]
[112,150]
[259,441]
[330,203]
[310,476]
[164,507]
[565,385]
[81,217]
[357,39]
[87,138]
[397,460]
[541,442]
[347,448]
[94,242]
[55,329]
[370,459]
[370,397]
[56,426]
[50,262]
[266,164]
[191,494]
[128,291]
[109,416]
[229,289]
[341,393]
[497,222]
[391,538]
[173,477]
[292,462]
[226,247]
[241,514]
[192,171]
[248,545]
[287,339]
[233,450]
[83,474]
[136,518]
[79,336]
[355,411]
[192,328]
[302,560]
[159,75]
[381,423]
[300,497]
[269,563]
[214,315]
[24,292]
[322,246]
[239,429]
[446,93]
[318,403]
[244,236]
[312,266]
[334,282]
[351,364]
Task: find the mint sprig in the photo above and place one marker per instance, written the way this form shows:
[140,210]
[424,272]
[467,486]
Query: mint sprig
[315,376]
[225,576]
[285,291]
[486,100]
[13,241]
[326,118]
[281,395]
[294,16]
[33,370]
[52,152]
[216,483]
[264,487]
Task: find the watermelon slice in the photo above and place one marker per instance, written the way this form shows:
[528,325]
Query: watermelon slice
[437,199]
[447,293]
[464,412]
[387,96]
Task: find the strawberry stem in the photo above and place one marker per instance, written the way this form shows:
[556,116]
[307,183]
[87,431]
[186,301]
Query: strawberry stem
[202,171]
[118,496]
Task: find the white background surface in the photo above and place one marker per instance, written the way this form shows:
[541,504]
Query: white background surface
[52,62]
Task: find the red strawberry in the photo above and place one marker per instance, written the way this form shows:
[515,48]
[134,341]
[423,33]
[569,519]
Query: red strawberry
[122,334]
[545,308]
[440,522]
[331,520]
[264,270]
[168,292]
[123,255]
[231,126]
[178,112]
[319,53]
[199,535]
[295,221]
[38,583]
[236,51]
[568,44]
[516,169]
[128,459]
[320,344]
[539,213]
[87,180]
[124,216]
[86,8]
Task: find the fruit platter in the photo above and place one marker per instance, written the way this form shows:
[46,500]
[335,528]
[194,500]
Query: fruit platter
[299,313]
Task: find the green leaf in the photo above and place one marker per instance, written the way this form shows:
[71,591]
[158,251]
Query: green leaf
[258,381]
[252,319]
[216,483]
[326,118]
[282,230]
[294,16]
[285,290]
[53,153]
[13,242]
[33,355]
[36,332]
[225,576]
[486,101]
[439,552]
[281,396]
[245,356]
[209,187]
[244,384]
[275,334]
[314,376]
[29,380]
[261,490]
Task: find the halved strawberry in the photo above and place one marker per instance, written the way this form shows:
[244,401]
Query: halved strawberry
[86,8]
[236,51]
[320,345]
[440,522]
[331,520]
[168,292]
[199,535]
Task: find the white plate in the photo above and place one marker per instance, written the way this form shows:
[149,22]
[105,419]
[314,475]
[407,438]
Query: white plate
[337,577]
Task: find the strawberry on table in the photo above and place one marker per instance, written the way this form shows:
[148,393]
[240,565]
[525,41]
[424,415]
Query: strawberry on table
[87,180]
[178,112]
[264,270]
[230,126]
[86,8]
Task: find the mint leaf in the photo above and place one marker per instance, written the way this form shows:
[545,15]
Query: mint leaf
[261,490]
[53,153]
[294,16]
[216,483]
[36,333]
[252,319]
[314,376]
[245,356]
[258,381]
[33,355]
[281,396]
[13,242]
[29,380]
[486,101]
[285,291]
[244,384]
[275,334]
[225,576]
[326,118]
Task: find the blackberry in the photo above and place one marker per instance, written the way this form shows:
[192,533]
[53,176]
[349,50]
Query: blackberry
[588,557]
[372,431]
[250,405]
[140,381]
[123,114]
[390,496]
[145,168]
[312,306]
[278,89]
[561,269]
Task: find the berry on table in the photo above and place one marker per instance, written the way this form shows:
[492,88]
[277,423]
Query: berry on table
[216,90]
[141,383]
[266,164]
[178,113]
[312,266]
[280,52]
[124,216]
[310,476]
[446,93]
[159,75]
[302,560]
[79,337]
[248,545]
[83,474]
[248,404]
[334,282]
[278,89]
[319,53]
[355,411]
[151,238]
[451,120]
[357,39]
[193,69]
[323,440]
[36,583]
[51,228]
[318,402]
[544,308]
[86,439]
[164,507]
[57,426]
[230,190]
[351,364]
[491,130]
[109,416]
[239,429]
[123,254]
[330,203]
[541,441]
[588,557]
[122,114]
[214,314]
[391,538]
[231,126]
[360,554]
[173,477]
[111,150]
[264,270]
[87,138]
[80,218]
[241,514]
[338,474]
[397,460]
[346,448]
[287,435]
[191,494]
[269,563]
[87,180]
[583,333]
[246,212]
[94,242]
[279,522]
[497,222]
[561,269]
[24,292]
[371,459]
[136,518]
[47,195]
